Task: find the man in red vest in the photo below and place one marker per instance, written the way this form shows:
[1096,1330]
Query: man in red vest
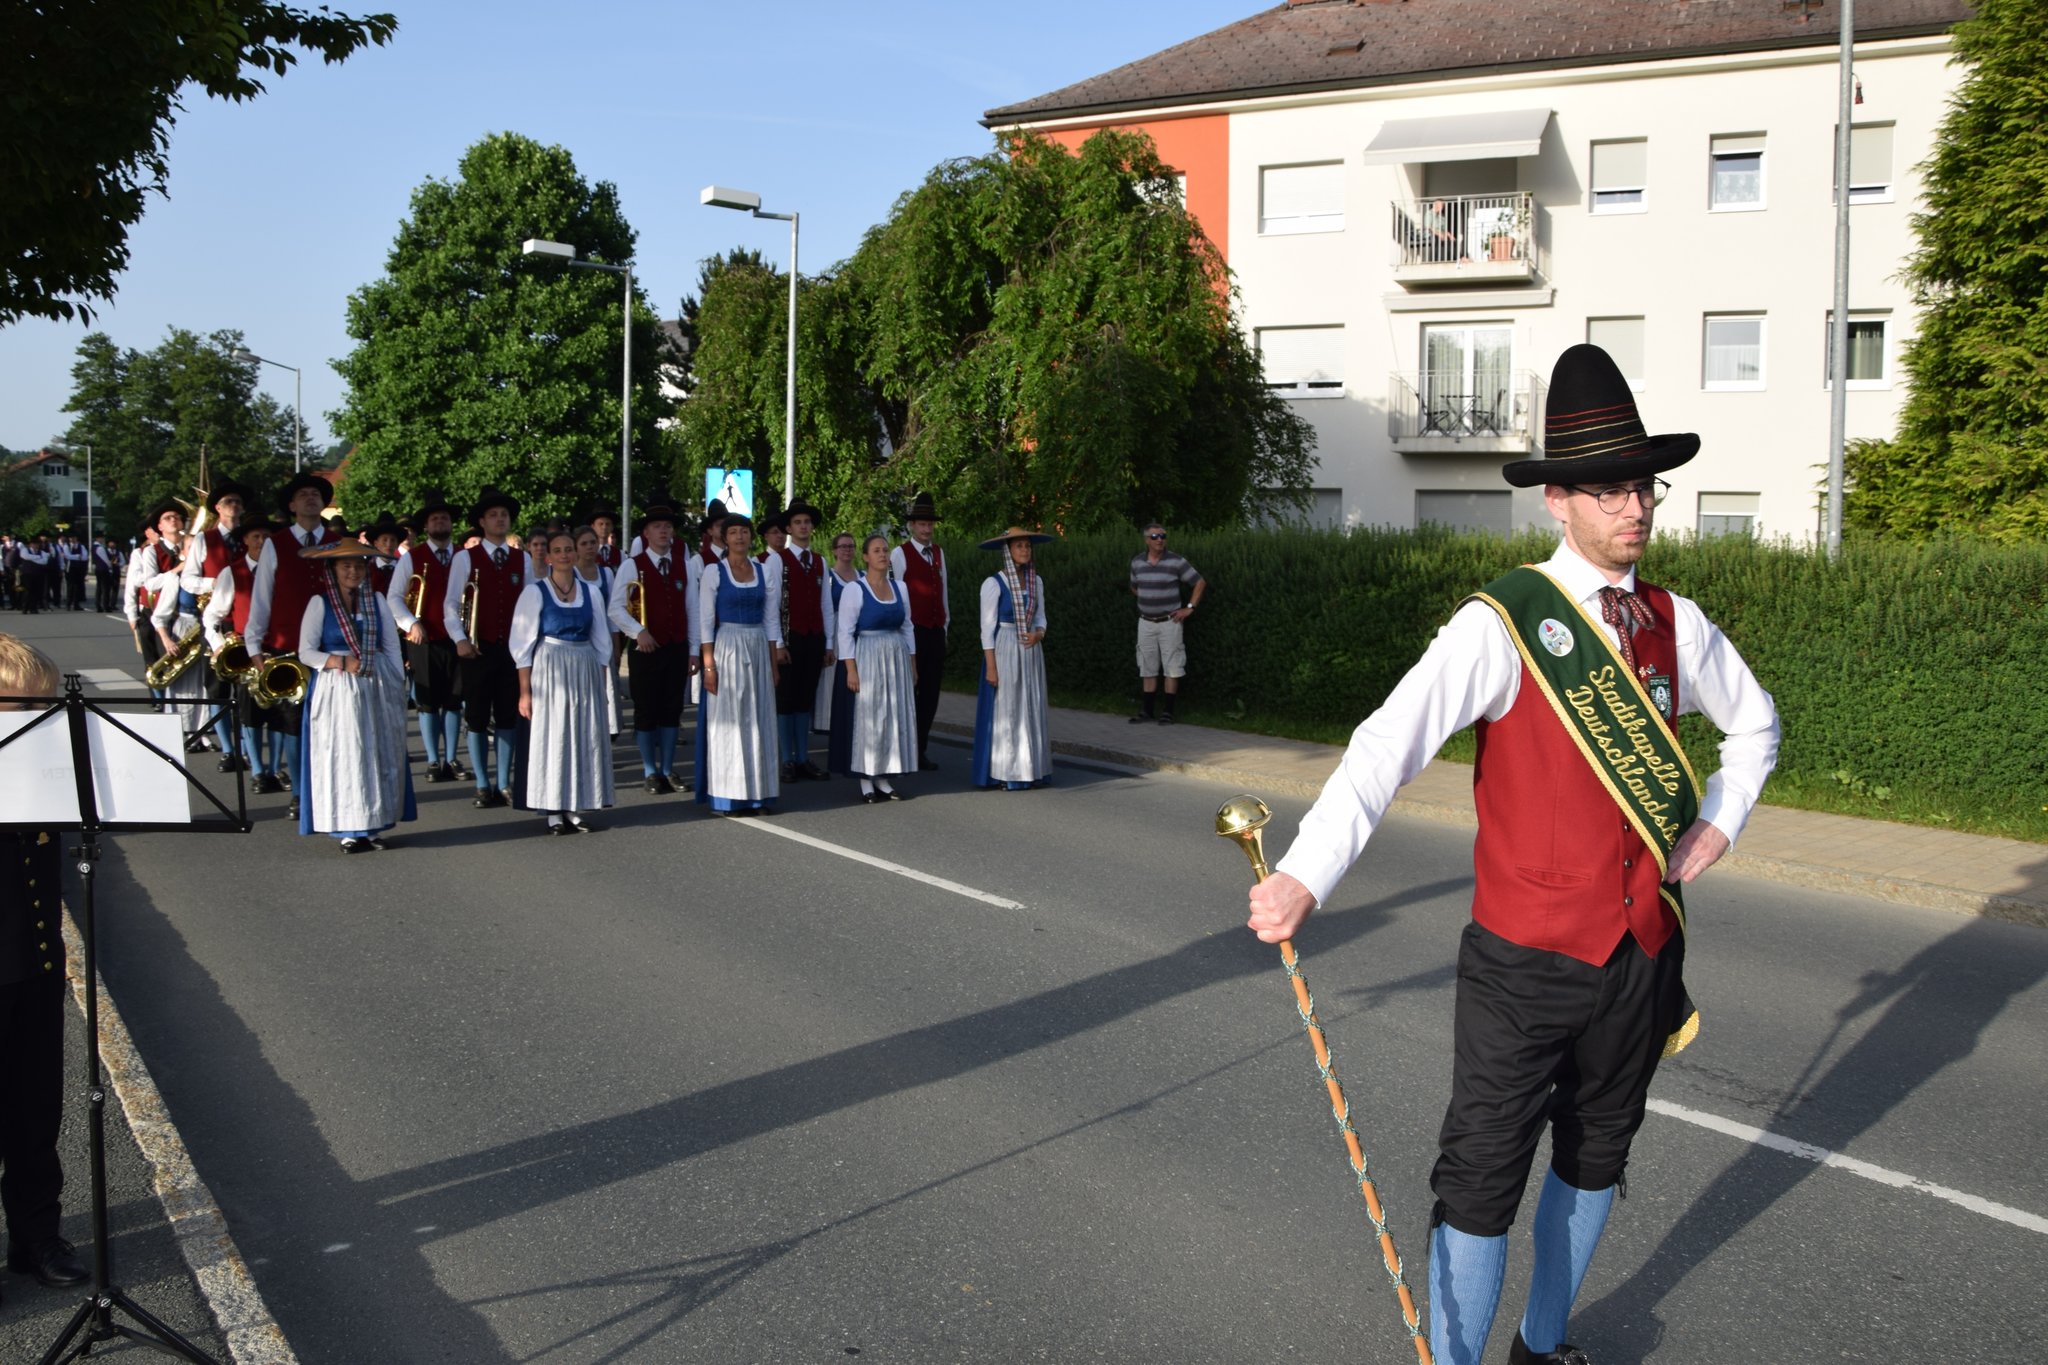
[650,607]
[153,568]
[430,654]
[805,649]
[921,567]
[284,584]
[1590,824]
[489,678]
[227,613]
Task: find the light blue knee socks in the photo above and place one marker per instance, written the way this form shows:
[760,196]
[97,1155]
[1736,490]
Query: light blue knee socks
[1567,1228]
[1465,1274]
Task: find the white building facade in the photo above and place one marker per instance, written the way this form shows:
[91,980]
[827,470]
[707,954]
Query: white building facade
[1413,252]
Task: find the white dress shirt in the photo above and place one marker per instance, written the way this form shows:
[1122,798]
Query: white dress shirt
[622,620]
[315,621]
[704,622]
[458,579]
[401,574]
[1473,671]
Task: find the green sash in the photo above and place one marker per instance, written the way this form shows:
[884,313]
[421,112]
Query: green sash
[1617,728]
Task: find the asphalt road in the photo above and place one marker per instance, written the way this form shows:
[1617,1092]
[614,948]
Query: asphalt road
[688,1090]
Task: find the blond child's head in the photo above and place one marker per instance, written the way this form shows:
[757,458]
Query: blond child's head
[25,671]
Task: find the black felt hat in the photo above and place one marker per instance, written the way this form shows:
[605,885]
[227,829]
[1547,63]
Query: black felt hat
[659,508]
[228,488]
[798,505]
[384,525]
[713,514]
[921,509]
[1592,432]
[432,501]
[595,508]
[492,496]
[305,479]
[155,514]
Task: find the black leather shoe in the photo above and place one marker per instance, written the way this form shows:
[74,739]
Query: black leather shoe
[1139,719]
[266,784]
[355,845]
[578,825]
[489,798]
[810,773]
[434,773]
[790,774]
[230,764]
[872,798]
[1565,1354]
[925,765]
[292,811]
[667,785]
[562,829]
[54,1264]
[653,784]
[1167,719]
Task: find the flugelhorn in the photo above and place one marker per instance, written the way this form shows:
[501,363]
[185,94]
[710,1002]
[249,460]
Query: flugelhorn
[416,593]
[636,602]
[232,661]
[469,603]
[278,680]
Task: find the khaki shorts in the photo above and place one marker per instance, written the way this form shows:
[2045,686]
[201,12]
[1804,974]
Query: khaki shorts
[1160,649]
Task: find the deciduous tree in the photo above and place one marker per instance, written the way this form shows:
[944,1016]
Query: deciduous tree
[474,365]
[1972,448]
[90,91]
[1032,334]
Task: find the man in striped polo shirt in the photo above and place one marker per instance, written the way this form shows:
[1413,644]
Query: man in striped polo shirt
[1156,579]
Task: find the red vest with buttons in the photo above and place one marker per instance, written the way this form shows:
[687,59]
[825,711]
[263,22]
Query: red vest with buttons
[429,568]
[497,591]
[804,613]
[297,580]
[217,556]
[926,584]
[1557,866]
[165,559]
[665,601]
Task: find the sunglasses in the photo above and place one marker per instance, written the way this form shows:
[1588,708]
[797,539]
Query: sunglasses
[1155,535]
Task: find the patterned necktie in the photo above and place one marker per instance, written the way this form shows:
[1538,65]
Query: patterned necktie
[1639,617]
[661,566]
[498,556]
[441,553]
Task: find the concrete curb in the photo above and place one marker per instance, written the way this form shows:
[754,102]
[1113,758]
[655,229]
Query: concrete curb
[1876,886]
[198,1225]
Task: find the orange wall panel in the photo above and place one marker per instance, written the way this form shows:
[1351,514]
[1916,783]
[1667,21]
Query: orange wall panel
[1198,147]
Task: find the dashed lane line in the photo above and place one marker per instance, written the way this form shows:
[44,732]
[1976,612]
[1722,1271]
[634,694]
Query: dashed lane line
[840,850]
[1806,1151]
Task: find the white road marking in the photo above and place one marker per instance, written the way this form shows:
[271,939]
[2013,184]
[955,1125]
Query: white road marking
[1806,1151]
[338,1246]
[872,861]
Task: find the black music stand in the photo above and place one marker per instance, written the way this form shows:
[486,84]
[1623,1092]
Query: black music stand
[94,1320]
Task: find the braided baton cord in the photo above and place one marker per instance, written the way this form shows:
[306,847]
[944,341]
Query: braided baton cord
[1340,1110]
[1241,819]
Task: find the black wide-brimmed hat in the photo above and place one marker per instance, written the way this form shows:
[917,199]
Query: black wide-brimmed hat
[713,514]
[778,522]
[659,508]
[156,513]
[921,509]
[432,501]
[228,488]
[305,479]
[797,505]
[492,496]
[384,525]
[595,508]
[1592,432]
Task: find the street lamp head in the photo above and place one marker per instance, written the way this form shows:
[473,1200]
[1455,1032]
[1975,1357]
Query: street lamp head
[717,196]
[246,357]
[535,246]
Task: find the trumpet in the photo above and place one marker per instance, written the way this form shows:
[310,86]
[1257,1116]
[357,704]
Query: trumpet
[181,656]
[279,679]
[416,593]
[636,602]
[469,601]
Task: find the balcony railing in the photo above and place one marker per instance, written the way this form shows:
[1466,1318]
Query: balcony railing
[1449,238]
[1449,413]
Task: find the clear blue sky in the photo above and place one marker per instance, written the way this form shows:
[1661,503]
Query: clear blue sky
[280,207]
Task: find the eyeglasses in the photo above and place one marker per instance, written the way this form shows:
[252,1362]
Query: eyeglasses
[1613,500]
[1155,535]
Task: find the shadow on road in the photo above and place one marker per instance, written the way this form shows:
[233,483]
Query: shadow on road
[257,1136]
[1935,1008]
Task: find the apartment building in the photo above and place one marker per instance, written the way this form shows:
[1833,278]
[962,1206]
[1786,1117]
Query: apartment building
[1425,201]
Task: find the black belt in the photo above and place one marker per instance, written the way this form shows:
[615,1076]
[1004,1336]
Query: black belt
[1155,620]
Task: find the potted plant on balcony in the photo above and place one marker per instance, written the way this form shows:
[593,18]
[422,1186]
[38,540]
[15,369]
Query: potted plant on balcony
[1510,230]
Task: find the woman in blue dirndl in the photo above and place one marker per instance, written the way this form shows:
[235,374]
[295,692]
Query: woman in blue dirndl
[878,653]
[358,781]
[741,771]
[562,644]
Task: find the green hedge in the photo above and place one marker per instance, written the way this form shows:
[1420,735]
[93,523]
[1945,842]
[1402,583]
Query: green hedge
[1302,633]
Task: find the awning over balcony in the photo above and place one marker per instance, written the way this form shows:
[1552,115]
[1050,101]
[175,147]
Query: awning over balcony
[1458,137]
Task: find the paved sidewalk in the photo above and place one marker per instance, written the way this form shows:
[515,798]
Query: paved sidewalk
[1971,874]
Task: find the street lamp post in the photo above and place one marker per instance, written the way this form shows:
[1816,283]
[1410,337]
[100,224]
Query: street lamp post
[562,251]
[746,200]
[298,408]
